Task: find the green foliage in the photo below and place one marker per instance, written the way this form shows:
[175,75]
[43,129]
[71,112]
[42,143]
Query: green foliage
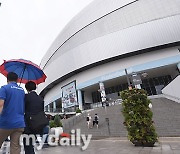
[138,116]
[78,111]
[56,122]
[52,124]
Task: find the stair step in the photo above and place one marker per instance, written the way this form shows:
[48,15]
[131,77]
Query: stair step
[166,119]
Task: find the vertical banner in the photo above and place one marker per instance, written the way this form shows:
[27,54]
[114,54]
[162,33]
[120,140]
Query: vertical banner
[102,91]
[69,96]
[136,79]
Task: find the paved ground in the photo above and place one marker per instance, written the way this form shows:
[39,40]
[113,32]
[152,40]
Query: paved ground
[119,146]
[166,145]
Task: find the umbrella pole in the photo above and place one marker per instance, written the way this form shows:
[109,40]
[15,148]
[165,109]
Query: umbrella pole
[22,74]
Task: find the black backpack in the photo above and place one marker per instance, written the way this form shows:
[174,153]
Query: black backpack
[96,118]
[37,121]
[87,118]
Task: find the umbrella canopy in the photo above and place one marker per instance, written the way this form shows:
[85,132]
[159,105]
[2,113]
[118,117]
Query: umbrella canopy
[25,69]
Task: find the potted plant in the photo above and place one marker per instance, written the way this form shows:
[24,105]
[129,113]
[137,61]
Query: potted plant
[138,117]
[78,112]
[56,127]
[56,122]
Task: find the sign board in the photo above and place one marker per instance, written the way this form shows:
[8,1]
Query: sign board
[136,79]
[102,91]
[69,96]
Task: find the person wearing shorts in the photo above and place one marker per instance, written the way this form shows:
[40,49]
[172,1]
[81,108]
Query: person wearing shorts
[96,121]
[88,120]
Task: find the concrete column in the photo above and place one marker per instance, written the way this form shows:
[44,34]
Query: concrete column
[178,65]
[62,105]
[138,86]
[80,100]
[48,108]
[54,106]
[102,91]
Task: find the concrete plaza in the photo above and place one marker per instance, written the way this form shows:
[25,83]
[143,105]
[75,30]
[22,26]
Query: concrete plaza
[166,145]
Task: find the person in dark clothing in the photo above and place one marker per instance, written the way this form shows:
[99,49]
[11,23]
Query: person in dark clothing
[33,105]
[45,134]
[96,121]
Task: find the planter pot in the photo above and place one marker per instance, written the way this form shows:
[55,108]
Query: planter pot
[56,131]
[147,144]
[151,144]
[136,143]
[77,114]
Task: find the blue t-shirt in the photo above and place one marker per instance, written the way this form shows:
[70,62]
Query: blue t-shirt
[12,115]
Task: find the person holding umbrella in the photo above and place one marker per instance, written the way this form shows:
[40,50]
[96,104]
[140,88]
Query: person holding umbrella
[25,71]
[12,112]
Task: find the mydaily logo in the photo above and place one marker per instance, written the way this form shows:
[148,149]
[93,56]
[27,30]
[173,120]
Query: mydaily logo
[75,139]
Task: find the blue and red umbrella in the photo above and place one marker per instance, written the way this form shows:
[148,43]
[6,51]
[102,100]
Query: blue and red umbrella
[25,69]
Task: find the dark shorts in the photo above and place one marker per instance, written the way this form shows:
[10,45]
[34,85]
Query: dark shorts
[95,122]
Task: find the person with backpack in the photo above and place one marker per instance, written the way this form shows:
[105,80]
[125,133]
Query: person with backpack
[88,120]
[34,105]
[96,121]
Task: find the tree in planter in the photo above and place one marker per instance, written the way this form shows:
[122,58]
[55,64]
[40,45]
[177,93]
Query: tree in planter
[138,117]
[56,122]
[78,111]
[56,128]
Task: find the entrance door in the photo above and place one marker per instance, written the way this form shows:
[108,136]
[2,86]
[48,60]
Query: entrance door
[159,89]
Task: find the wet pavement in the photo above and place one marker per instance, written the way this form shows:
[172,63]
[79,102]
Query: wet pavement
[166,145]
[119,146]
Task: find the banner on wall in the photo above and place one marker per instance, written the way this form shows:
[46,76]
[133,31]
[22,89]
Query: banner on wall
[102,91]
[69,96]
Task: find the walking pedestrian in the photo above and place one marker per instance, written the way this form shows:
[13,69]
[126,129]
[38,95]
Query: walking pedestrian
[45,136]
[88,120]
[12,113]
[96,121]
[34,104]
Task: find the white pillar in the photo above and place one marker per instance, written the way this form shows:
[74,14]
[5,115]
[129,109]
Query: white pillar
[178,65]
[80,100]
[48,108]
[138,86]
[54,106]
[62,101]
[102,91]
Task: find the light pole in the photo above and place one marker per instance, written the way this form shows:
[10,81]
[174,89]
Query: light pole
[103,100]
[127,76]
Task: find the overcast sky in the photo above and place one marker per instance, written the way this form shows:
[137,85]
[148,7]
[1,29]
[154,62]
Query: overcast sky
[28,27]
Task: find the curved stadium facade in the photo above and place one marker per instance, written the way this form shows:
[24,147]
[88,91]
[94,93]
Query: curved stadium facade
[107,37]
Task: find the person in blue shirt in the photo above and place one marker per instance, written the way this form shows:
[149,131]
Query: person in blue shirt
[12,113]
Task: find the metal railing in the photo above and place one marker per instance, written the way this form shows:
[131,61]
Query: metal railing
[52,110]
[69,123]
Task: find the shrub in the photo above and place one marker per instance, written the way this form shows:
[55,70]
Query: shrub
[138,117]
[56,122]
[78,111]
[52,124]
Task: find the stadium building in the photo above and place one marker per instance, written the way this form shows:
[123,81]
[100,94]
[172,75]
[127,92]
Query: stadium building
[108,46]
